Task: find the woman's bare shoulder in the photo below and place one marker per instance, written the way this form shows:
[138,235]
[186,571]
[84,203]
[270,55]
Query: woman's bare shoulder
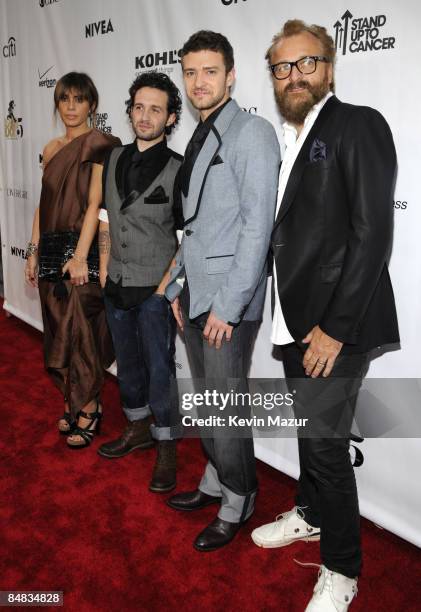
[51,148]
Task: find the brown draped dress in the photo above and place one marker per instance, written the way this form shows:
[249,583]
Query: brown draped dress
[77,343]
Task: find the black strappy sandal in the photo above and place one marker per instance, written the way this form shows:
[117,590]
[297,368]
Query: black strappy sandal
[86,433]
[66,431]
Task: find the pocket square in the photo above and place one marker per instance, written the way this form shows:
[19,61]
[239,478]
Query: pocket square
[158,196]
[318,150]
[217,160]
[158,193]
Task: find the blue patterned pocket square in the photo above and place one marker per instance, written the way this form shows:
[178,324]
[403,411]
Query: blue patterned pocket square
[318,150]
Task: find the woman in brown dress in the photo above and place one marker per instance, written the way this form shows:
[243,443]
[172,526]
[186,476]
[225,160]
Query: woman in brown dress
[63,259]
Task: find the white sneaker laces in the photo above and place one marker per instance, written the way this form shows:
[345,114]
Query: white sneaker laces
[326,580]
[297,510]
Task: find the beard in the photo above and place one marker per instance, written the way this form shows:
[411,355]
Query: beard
[295,108]
[150,134]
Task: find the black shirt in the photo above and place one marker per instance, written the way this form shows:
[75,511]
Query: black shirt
[135,171]
[195,146]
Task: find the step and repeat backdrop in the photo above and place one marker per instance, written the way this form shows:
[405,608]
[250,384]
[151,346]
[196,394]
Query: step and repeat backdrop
[379,47]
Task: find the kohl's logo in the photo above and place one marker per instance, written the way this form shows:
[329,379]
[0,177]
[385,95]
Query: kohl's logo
[161,61]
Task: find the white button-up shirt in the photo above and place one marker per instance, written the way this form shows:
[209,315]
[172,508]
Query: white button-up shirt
[280,332]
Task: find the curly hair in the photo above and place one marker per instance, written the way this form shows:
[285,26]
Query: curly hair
[297,26]
[157,80]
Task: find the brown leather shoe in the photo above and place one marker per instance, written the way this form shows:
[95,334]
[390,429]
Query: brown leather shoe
[164,472]
[193,500]
[136,435]
[216,534]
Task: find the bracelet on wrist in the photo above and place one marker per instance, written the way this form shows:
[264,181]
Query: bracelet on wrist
[31,249]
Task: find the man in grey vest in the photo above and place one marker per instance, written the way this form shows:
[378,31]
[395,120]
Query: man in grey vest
[137,242]
[228,182]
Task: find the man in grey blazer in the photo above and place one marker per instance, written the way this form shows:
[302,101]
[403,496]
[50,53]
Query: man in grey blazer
[228,188]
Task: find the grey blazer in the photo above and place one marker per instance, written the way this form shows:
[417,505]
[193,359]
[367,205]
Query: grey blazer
[229,214]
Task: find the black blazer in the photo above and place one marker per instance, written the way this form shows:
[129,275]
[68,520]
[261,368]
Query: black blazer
[333,233]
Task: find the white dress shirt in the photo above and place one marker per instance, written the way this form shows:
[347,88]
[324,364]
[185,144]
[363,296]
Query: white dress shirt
[280,332]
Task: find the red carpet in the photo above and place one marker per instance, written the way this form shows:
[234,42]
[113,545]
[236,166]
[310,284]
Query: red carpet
[73,521]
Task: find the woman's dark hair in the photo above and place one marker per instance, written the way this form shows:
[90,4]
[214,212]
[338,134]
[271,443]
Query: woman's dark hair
[205,40]
[80,82]
[157,80]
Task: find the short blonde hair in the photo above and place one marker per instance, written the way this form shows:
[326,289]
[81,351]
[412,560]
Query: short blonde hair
[297,26]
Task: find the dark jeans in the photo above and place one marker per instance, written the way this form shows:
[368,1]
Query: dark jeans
[144,342]
[327,490]
[231,455]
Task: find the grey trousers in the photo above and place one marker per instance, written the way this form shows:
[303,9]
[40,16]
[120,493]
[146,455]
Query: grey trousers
[231,469]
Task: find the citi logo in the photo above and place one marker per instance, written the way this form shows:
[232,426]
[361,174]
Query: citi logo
[361,34]
[152,60]
[98,27]
[9,49]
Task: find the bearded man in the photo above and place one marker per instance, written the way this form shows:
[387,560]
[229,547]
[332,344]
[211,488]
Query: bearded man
[333,299]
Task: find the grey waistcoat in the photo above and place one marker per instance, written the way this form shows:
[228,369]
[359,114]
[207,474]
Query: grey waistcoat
[143,239]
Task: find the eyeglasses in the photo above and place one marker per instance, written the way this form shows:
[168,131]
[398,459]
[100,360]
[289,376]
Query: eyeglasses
[305,65]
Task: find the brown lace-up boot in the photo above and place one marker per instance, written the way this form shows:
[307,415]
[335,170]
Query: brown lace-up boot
[164,473]
[136,435]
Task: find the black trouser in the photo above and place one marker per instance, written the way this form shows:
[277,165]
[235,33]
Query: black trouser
[327,490]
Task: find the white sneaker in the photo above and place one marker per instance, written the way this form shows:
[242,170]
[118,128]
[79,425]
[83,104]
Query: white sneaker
[289,527]
[333,592]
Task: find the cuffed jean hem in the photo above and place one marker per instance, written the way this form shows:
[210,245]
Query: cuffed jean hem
[234,508]
[167,433]
[135,414]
